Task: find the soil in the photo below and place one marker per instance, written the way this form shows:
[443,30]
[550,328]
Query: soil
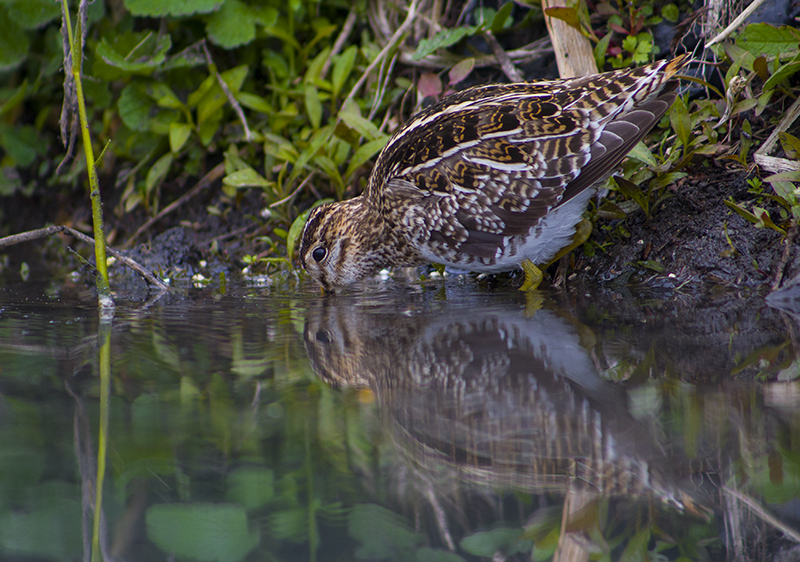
[694,237]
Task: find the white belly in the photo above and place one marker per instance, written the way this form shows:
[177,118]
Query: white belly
[540,245]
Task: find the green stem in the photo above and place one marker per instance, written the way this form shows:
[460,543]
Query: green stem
[76,55]
[102,443]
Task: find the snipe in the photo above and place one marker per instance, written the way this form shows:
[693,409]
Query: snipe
[489,177]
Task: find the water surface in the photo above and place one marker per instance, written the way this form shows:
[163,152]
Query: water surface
[437,421]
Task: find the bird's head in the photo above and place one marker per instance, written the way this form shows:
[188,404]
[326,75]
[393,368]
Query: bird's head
[335,246]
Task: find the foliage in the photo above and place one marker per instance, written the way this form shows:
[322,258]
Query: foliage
[299,97]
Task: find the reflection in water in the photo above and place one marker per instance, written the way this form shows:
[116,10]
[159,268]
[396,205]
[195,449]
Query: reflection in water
[494,398]
[475,432]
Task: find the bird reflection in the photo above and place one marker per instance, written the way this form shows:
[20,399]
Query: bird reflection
[497,398]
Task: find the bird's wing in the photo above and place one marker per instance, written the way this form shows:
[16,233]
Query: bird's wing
[491,162]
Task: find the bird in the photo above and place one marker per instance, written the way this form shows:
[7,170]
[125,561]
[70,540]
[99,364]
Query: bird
[489,178]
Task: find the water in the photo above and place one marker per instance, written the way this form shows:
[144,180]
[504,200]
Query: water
[429,422]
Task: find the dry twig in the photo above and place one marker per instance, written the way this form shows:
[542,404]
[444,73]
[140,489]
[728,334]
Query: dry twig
[206,180]
[50,230]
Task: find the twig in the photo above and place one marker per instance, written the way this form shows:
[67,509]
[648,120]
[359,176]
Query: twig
[735,23]
[206,180]
[538,48]
[382,86]
[231,234]
[763,514]
[412,10]
[293,193]
[347,28]
[788,118]
[508,67]
[790,236]
[228,94]
[50,230]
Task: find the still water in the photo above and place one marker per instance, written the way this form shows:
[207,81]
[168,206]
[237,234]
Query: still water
[431,422]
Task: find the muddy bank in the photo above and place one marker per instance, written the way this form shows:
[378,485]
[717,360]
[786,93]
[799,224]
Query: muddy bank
[692,239]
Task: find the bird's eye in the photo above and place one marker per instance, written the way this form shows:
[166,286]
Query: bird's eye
[323,336]
[319,254]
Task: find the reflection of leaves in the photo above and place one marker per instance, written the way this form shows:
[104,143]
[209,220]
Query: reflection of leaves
[487,543]
[206,532]
[432,555]
[637,547]
[49,525]
[290,524]
[251,487]
[382,533]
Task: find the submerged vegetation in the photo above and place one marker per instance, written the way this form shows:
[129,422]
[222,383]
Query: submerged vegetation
[289,102]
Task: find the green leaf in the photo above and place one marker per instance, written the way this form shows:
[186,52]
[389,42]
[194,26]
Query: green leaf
[232,26]
[763,220]
[254,102]
[134,107]
[765,39]
[681,122]
[209,127]
[364,153]
[331,170]
[314,70]
[670,12]
[32,14]
[247,177]
[164,96]
[600,50]
[214,98]
[364,127]
[15,99]
[343,67]
[21,143]
[157,172]
[321,137]
[652,265]
[135,53]
[179,133]
[201,531]
[641,153]
[235,77]
[313,106]
[442,40]
[501,17]
[14,42]
[633,191]
[158,8]
[293,236]
[664,180]
[784,72]
[741,211]
[790,144]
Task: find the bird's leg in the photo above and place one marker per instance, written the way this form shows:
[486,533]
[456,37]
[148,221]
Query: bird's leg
[534,275]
